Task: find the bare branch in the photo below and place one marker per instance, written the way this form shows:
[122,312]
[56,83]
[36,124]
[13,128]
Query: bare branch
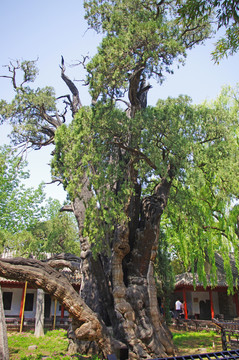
[12,69]
[63,260]
[125,102]
[75,103]
[60,181]
[50,119]
[82,63]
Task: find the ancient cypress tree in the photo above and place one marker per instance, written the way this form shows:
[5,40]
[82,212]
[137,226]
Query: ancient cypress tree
[120,166]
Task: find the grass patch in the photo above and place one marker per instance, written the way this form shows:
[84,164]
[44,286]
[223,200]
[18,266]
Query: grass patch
[54,344]
[188,342]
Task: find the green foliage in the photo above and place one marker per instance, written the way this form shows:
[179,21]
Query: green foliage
[28,109]
[27,225]
[138,35]
[86,147]
[20,207]
[201,218]
[225,11]
[91,145]
[227,15]
[56,235]
[200,141]
[227,45]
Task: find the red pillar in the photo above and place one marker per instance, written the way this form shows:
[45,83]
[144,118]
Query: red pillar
[185,304]
[24,290]
[236,303]
[211,301]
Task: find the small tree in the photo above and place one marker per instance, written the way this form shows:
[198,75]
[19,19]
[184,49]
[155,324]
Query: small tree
[21,207]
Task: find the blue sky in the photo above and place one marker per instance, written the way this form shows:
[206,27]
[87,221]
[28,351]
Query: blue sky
[47,29]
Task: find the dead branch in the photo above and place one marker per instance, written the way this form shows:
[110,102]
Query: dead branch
[75,103]
[60,181]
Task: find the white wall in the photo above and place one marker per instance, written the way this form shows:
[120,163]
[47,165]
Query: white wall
[199,295]
[215,302]
[16,302]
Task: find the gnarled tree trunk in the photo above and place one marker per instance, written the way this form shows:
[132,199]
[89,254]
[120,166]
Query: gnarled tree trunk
[122,288]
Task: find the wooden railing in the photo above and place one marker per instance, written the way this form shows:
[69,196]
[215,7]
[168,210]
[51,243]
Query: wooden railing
[229,333]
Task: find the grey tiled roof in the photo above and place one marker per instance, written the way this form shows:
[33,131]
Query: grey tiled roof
[188,279]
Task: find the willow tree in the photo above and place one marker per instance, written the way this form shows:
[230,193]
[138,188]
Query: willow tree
[119,167]
[226,15]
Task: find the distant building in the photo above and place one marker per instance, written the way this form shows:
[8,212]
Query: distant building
[209,303]
[13,293]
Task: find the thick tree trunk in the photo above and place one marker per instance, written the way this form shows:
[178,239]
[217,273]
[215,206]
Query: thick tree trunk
[122,289]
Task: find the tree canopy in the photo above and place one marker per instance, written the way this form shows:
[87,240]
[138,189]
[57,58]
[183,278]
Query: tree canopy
[200,144]
[30,224]
[139,37]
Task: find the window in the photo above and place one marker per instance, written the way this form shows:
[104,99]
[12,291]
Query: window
[7,300]
[29,302]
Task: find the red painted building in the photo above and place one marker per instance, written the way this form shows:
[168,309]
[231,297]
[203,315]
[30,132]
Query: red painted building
[210,302]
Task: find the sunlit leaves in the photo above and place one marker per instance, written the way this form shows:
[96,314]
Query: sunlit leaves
[20,207]
[228,45]
[137,35]
[201,213]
